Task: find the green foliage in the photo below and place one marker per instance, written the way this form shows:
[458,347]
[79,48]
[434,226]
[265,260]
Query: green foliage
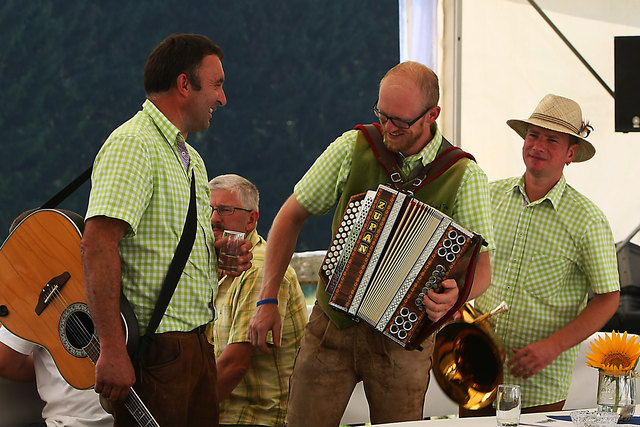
[298,74]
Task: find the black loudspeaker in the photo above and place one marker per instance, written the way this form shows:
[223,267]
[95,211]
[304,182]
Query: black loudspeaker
[627,83]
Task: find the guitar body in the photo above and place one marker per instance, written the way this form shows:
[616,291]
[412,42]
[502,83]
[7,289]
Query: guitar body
[46,245]
[42,299]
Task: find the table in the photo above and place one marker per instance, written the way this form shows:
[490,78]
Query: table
[538,419]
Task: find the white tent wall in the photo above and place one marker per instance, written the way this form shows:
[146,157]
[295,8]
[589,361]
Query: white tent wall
[510,58]
[420,32]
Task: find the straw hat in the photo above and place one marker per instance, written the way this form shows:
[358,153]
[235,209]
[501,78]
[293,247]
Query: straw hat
[561,115]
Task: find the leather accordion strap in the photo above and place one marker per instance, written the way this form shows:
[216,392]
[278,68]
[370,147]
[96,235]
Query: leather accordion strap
[421,175]
[385,158]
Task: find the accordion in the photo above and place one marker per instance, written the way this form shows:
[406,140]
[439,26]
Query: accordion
[388,251]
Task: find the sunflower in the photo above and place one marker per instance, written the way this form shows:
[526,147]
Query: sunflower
[614,352]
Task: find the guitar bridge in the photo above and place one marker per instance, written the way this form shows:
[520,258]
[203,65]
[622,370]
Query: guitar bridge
[50,290]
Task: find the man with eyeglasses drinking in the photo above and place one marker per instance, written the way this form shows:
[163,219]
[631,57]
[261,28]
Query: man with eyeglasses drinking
[253,387]
[337,352]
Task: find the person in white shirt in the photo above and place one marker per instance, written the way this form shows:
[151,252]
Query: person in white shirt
[24,361]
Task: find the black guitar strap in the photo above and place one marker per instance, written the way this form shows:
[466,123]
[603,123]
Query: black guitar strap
[66,191]
[178,261]
[176,267]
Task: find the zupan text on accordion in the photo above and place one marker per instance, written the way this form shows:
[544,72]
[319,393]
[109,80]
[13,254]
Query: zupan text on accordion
[388,251]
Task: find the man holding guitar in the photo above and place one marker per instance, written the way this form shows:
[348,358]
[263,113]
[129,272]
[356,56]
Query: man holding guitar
[137,208]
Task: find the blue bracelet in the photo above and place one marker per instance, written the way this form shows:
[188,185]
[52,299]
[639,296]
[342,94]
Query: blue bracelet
[267,301]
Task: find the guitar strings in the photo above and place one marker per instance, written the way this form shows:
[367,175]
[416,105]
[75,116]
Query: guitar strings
[79,331]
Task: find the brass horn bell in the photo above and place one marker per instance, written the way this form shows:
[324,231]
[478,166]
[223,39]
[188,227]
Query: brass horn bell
[468,358]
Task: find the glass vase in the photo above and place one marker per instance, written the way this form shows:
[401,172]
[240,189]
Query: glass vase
[617,393]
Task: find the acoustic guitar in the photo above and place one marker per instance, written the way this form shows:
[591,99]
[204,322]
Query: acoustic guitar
[42,299]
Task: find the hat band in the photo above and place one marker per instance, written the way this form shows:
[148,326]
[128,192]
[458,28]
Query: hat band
[555,120]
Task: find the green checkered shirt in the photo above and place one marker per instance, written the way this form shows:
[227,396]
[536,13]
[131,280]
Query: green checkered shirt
[138,177]
[261,396]
[320,188]
[549,254]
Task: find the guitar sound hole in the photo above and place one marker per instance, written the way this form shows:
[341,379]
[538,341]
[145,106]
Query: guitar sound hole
[76,328]
[79,329]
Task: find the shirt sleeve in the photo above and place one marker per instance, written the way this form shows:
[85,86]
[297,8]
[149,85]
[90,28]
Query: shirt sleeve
[599,261]
[16,343]
[121,181]
[472,207]
[320,188]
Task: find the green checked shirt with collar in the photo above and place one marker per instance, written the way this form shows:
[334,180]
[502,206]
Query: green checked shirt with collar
[139,178]
[320,188]
[549,254]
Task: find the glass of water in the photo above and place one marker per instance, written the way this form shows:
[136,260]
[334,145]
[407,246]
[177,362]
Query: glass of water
[508,405]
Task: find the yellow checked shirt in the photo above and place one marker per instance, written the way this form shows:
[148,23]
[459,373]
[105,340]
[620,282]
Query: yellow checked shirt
[261,396]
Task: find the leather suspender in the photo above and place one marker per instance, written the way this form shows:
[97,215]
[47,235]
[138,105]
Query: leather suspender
[421,175]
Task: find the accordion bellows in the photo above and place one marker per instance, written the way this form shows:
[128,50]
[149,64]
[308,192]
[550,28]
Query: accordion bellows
[388,251]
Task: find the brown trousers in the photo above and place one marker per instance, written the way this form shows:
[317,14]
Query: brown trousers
[330,363]
[176,380]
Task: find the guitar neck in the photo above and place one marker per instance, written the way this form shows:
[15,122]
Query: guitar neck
[139,411]
[133,403]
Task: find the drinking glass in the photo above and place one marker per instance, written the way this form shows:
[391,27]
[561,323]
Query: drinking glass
[508,405]
[228,258]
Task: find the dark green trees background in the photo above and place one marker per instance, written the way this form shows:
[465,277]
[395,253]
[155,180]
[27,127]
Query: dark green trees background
[298,74]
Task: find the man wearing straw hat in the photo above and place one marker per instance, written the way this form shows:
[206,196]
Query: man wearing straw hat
[553,246]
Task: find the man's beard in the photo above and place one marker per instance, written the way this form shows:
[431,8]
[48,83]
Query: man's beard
[402,145]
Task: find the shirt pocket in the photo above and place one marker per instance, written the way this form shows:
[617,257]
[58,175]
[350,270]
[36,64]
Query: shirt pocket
[547,273]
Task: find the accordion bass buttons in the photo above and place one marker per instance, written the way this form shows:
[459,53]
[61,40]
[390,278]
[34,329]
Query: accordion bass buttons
[403,323]
[436,277]
[451,245]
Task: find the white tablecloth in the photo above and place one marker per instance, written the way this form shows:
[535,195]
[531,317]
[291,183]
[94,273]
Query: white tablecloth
[535,419]
[538,419]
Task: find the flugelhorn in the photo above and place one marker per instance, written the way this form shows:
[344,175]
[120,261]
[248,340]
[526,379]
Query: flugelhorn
[468,358]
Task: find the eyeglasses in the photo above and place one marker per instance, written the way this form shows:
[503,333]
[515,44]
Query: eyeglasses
[402,124]
[228,210]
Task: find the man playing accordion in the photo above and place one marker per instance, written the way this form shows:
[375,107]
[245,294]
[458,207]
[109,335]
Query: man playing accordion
[337,352]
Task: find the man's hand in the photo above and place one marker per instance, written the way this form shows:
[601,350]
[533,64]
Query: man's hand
[266,318]
[530,360]
[437,304]
[114,373]
[280,246]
